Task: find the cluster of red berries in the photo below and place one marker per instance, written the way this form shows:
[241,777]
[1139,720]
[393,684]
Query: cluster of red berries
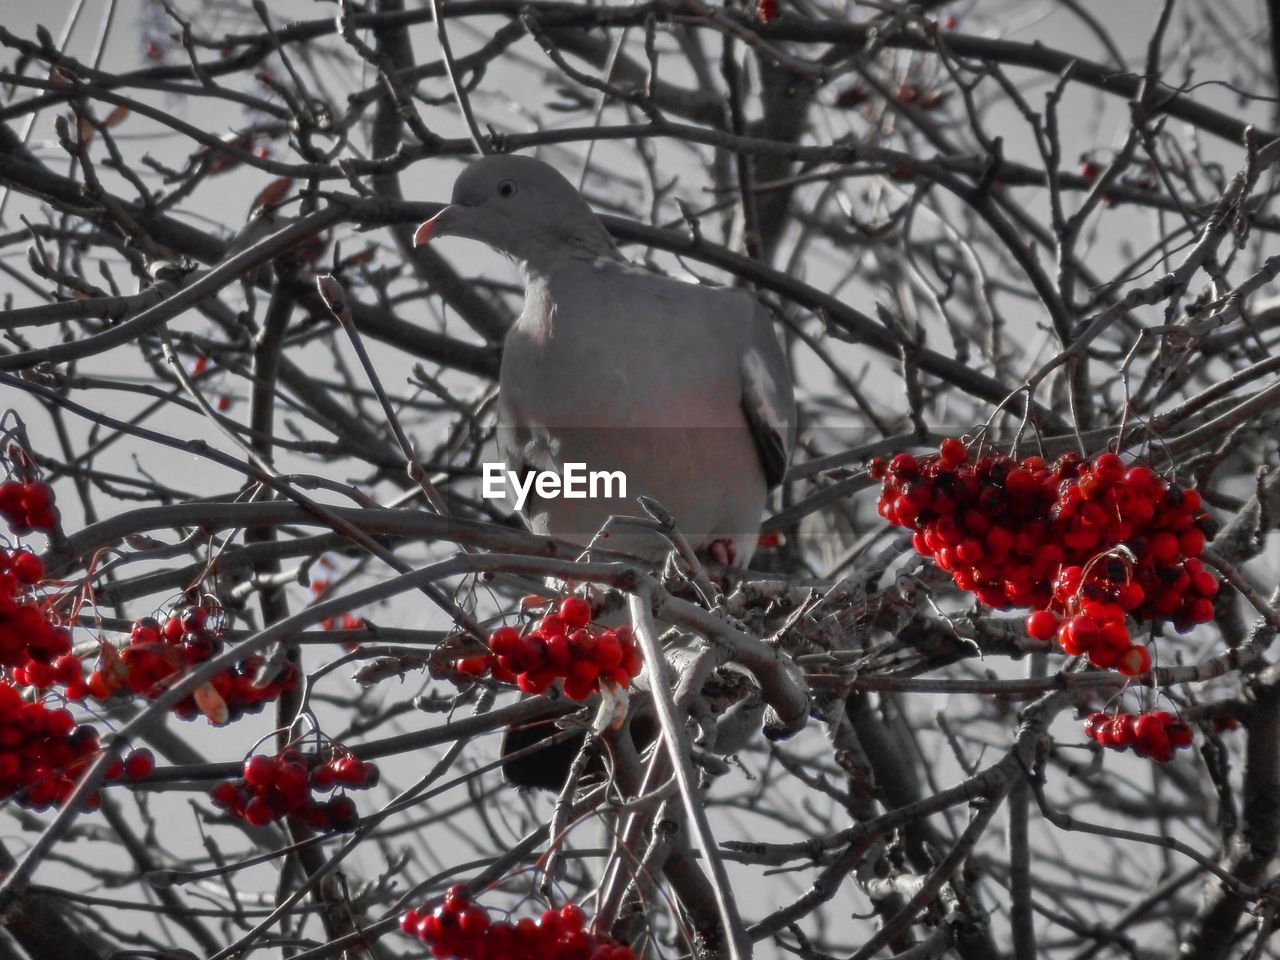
[461,928]
[560,645]
[43,752]
[1156,734]
[159,653]
[347,621]
[27,505]
[38,650]
[281,786]
[1096,629]
[1161,525]
[1084,543]
[1091,603]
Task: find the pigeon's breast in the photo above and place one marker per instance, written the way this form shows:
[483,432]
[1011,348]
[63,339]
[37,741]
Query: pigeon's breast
[622,370]
[647,350]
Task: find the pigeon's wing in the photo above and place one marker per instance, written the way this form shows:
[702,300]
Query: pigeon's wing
[768,396]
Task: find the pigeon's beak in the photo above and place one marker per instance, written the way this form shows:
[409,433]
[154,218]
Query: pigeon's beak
[437,226]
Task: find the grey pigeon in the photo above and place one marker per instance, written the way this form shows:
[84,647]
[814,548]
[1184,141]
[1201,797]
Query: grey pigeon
[682,387]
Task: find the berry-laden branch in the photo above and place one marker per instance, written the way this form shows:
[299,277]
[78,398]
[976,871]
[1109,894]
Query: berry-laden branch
[1087,545]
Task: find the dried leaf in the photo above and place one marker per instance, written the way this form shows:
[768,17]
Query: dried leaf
[116,116]
[273,193]
[113,668]
[211,704]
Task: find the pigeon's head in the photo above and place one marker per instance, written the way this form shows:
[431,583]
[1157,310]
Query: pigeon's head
[522,207]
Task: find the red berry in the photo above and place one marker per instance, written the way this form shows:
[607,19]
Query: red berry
[225,794]
[1109,466]
[473,666]
[1179,734]
[903,465]
[1082,632]
[575,612]
[558,651]
[952,453]
[145,631]
[1151,734]
[536,681]
[11,492]
[456,897]
[1115,635]
[1204,583]
[342,813]
[1104,657]
[1094,723]
[1000,541]
[350,770]
[430,929]
[139,764]
[39,675]
[28,568]
[1112,733]
[1191,542]
[36,496]
[1042,625]
[578,689]
[1201,611]
[98,686]
[1168,602]
[505,641]
[608,651]
[59,723]
[193,619]
[260,770]
[1123,730]
[550,625]
[291,780]
[1163,549]
[1068,582]
[1134,661]
[259,812]
[314,816]
[472,921]
[970,550]
[1129,596]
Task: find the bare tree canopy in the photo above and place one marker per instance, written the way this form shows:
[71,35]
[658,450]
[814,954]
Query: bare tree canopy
[280,675]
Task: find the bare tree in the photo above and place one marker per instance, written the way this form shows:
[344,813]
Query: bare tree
[1038,229]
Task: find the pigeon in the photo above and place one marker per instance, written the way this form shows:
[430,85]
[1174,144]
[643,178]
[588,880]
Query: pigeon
[681,388]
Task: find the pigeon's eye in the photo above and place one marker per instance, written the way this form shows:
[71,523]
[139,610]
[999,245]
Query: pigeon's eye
[507,188]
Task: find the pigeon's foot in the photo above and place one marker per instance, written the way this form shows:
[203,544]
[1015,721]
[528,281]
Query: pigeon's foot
[722,552]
